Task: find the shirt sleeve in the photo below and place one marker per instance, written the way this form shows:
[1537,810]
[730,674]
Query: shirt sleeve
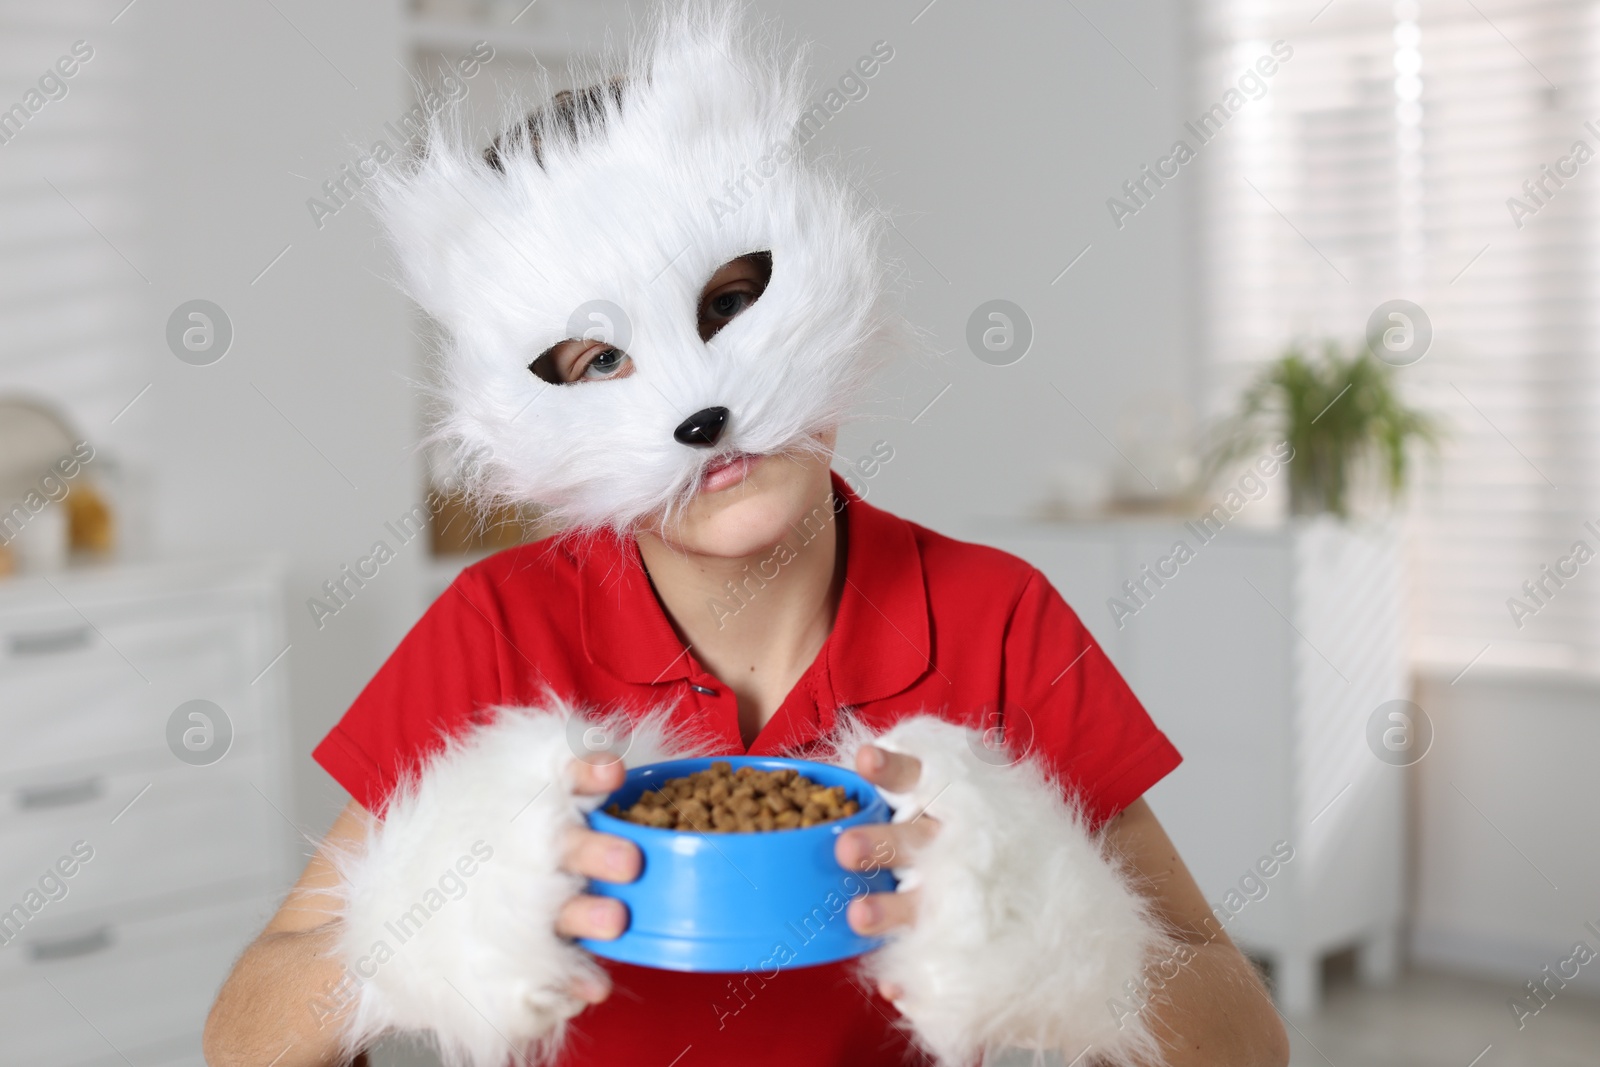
[440,678]
[1068,706]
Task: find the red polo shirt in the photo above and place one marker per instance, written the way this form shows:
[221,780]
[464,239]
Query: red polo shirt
[925,624]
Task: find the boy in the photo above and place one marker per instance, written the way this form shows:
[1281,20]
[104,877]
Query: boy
[716,569]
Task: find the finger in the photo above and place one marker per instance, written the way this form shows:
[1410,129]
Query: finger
[586,915]
[890,992]
[881,845]
[597,773]
[878,913]
[604,856]
[895,771]
[591,988]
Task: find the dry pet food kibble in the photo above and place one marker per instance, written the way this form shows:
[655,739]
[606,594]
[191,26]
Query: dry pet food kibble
[722,800]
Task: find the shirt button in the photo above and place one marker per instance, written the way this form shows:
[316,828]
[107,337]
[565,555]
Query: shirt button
[703,689]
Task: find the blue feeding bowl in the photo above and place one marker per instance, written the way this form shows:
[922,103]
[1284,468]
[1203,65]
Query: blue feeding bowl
[737,901]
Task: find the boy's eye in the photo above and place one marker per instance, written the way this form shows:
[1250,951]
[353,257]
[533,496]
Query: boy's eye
[735,286]
[606,363]
[730,304]
[581,361]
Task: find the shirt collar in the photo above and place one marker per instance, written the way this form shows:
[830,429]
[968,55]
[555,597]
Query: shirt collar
[625,629]
[880,643]
[881,640]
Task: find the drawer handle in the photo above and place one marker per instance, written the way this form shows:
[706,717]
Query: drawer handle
[67,948]
[50,642]
[60,794]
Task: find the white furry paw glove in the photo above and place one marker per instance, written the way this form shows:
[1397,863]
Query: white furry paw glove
[1027,929]
[448,913]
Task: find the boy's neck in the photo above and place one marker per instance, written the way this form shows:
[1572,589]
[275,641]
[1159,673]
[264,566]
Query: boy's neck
[758,621]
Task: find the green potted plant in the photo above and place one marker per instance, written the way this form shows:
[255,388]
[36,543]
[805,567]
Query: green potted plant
[1342,414]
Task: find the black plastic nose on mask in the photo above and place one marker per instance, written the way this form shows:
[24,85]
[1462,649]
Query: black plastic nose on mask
[703,427]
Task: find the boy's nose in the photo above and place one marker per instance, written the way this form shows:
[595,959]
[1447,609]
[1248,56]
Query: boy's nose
[703,427]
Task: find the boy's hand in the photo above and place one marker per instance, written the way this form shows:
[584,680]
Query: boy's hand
[595,855]
[884,845]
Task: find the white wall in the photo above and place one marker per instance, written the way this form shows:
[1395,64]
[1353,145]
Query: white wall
[1507,872]
[243,118]
[997,133]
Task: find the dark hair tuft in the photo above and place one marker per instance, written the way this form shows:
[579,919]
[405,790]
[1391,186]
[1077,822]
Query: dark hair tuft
[566,113]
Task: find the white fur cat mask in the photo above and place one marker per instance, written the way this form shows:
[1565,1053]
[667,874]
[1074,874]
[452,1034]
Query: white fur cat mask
[610,231]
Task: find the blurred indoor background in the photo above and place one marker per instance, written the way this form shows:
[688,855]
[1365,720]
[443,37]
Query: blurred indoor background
[1152,241]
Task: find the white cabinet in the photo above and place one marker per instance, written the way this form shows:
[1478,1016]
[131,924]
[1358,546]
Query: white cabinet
[133,867]
[1264,656]
[144,982]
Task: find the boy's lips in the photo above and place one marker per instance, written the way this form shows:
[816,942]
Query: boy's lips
[727,471]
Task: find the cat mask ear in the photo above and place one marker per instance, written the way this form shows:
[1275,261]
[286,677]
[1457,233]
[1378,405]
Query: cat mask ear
[603,217]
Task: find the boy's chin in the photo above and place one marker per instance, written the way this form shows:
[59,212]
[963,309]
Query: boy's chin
[779,497]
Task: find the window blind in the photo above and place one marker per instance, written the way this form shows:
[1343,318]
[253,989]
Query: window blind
[70,259]
[1431,153]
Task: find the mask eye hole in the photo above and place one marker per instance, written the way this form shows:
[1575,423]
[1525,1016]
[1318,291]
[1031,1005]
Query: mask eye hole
[735,286]
[573,361]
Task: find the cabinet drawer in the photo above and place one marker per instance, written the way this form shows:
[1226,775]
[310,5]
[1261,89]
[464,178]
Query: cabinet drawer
[191,828]
[73,700]
[86,993]
[53,640]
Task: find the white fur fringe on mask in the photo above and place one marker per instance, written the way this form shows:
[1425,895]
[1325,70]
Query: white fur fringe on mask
[1027,932]
[449,911]
[610,231]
